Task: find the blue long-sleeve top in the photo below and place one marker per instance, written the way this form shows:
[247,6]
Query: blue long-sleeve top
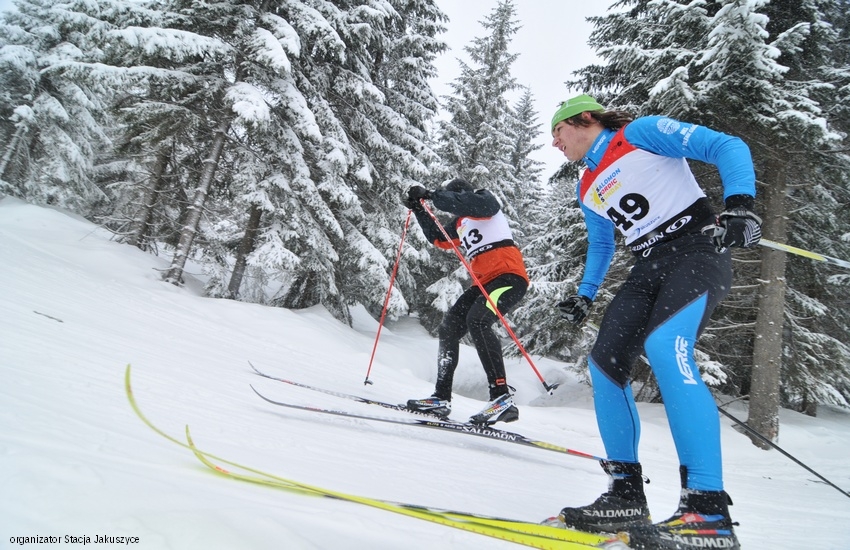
[664,137]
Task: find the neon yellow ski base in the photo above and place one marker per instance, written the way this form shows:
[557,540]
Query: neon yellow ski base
[526,533]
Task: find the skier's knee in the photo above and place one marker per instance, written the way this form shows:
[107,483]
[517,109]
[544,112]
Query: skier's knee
[613,368]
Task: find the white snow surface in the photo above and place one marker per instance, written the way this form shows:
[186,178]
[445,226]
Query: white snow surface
[75,461]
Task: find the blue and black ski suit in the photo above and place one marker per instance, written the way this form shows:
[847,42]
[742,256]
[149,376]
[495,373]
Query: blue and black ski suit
[638,182]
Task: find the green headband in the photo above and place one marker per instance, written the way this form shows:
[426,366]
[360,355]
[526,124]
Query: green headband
[574,106]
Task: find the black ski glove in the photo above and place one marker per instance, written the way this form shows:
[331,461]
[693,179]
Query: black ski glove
[574,309]
[411,204]
[414,195]
[737,226]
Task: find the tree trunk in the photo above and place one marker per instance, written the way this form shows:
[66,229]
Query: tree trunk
[245,248]
[193,217]
[142,223]
[767,348]
[11,147]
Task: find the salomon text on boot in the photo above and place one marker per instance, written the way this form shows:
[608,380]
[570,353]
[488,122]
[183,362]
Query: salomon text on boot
[621,507]
[702,521]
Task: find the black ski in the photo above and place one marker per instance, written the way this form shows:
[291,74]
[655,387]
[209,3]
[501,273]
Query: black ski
[357,398]
[458,427]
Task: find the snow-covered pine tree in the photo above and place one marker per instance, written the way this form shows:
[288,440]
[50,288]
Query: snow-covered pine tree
[373,106]
[759,78]
[301,122]
[390,133]
[408,89]
[52,122]
[174,68]
[837,15]
[554,258]
[478,138]
[809,144]
[527,172]
[154,165]
[481,134]
[284,223]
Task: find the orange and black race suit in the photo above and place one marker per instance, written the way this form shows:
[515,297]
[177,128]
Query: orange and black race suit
[481,231]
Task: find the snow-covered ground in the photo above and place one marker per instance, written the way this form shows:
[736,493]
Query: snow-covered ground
[76,308]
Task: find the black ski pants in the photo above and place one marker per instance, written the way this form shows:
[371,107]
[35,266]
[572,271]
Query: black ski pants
[472,313]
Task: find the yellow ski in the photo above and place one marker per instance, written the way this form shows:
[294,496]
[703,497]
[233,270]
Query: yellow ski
[526,533]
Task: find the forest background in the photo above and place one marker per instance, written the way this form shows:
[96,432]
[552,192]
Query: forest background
[271,143]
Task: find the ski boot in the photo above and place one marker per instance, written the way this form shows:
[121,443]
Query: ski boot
[622,507]
[431,405]
[702,521]
[500,409]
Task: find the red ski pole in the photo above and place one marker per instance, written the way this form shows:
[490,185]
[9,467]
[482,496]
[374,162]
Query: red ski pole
[387,299]
[549,388]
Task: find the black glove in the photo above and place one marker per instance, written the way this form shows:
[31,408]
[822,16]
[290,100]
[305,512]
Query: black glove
[414,195]
[736,226]
[574,309]
[411,204]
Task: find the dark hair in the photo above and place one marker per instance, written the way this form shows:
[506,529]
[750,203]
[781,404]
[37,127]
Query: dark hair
[613,120]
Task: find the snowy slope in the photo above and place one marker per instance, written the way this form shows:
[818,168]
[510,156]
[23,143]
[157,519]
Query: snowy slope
[76,461]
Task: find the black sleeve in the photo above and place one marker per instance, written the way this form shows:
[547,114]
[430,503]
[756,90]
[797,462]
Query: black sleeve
[432,232]
[735,201]
[480,204]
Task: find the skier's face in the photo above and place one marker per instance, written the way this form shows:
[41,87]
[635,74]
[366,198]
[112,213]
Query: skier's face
[571,140]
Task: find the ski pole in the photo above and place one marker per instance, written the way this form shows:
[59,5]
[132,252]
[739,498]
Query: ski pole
[549,388]
[760,436]
[804,253]
[387,299]
[778,448]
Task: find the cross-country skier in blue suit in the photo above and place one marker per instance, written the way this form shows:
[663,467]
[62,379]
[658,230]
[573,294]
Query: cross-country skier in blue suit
[638,181]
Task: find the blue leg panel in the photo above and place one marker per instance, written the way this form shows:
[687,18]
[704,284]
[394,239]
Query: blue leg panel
[616,415]
[691,411]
